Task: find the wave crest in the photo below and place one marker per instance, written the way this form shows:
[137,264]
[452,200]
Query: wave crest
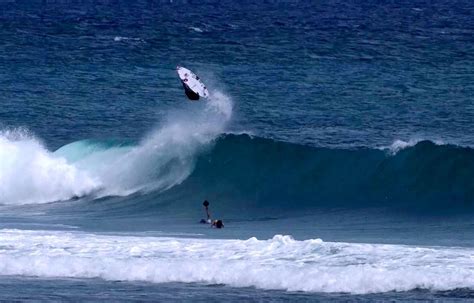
[30,173]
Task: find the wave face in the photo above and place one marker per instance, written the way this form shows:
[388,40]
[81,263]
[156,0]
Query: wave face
[263,173]
[278,263]
[165,158]
[187,160]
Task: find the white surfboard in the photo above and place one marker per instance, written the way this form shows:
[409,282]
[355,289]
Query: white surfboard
[192,82]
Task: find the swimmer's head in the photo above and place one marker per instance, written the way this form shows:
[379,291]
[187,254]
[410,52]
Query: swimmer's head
[218,224]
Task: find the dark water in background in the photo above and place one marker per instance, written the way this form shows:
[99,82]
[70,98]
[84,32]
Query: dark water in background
[359,116]
[328,73]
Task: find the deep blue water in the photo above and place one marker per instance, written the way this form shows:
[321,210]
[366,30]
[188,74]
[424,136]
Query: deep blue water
[346,122]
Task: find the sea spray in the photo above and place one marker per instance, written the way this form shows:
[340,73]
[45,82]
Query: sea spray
[29,173]
[167,155]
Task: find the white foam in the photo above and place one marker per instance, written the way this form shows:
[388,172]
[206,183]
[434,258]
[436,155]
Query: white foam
[279,263]
[165,157]
[196,29]
[399,145]
[29,173]
[120,38]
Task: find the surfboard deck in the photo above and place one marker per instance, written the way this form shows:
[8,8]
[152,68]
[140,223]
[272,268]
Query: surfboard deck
[191,81]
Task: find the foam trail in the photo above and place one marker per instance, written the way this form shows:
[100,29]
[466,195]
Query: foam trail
[29,173]
[278,263]
[166,156]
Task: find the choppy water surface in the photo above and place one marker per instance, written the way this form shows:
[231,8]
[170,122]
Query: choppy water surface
[336,147]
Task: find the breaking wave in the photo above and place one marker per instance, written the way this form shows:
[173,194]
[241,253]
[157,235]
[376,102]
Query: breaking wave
[188,157]
[262,173]
[29,173]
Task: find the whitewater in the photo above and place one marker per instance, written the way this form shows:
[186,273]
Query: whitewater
[336,148]
[185,156]
[30,173]
[278,263]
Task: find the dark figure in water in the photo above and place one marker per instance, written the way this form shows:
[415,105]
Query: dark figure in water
[214,223]
[217,224]
[206,207]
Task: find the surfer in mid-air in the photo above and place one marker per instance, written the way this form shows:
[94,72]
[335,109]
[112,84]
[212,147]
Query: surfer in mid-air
[193,86]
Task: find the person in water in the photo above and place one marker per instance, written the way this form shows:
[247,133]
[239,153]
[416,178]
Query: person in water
[206,207]
[214,223]
[217,224]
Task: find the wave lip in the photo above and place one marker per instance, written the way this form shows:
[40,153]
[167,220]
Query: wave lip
[399,145]
[262,174]
[163,159]
[278,263]
[29,173]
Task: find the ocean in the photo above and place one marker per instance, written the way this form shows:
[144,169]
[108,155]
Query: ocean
[336,146]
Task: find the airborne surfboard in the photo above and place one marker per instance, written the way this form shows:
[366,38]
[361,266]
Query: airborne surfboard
[193,86]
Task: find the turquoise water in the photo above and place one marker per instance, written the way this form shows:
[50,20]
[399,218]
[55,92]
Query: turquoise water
[336,147]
